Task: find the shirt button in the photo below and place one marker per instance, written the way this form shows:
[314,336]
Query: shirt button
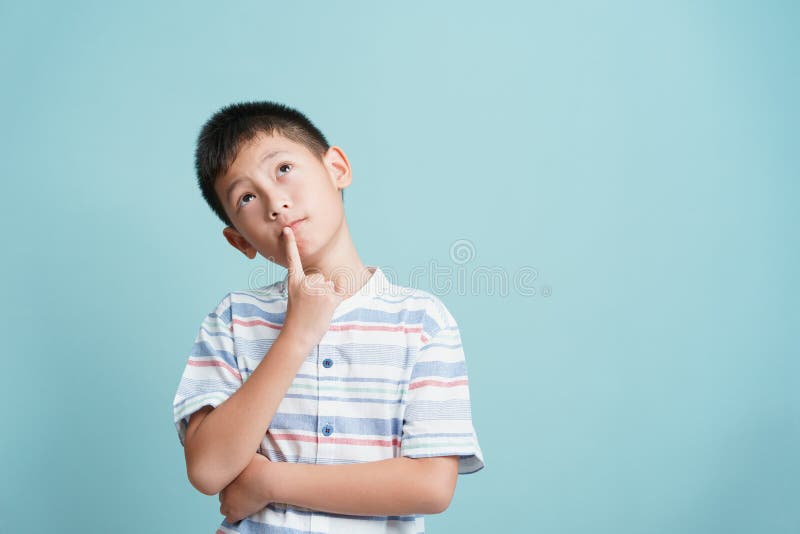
[327,430]
[327,362]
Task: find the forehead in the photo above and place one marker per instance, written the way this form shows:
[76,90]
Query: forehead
[254,151]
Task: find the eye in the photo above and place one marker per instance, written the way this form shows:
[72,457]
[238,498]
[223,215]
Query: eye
[239,204]
[243,197]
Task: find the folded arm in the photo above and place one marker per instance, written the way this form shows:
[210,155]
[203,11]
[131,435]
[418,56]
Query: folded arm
[221,441]
[395,486]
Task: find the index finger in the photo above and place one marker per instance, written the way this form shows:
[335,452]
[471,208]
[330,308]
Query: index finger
[295,266]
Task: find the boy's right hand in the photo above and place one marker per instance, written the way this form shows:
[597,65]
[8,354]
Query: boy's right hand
[311,299]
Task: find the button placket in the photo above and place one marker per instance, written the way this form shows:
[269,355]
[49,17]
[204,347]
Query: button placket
[325,417]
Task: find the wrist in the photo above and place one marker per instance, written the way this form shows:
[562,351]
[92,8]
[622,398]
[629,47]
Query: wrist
[271,486]
[300,341]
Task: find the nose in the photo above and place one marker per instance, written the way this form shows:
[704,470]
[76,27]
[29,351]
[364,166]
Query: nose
[274,214]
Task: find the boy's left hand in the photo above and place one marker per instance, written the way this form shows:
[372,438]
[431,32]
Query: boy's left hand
[247,494]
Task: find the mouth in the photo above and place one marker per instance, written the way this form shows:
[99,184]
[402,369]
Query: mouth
[293,225]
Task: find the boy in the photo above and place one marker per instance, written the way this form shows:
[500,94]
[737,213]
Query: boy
[332,400]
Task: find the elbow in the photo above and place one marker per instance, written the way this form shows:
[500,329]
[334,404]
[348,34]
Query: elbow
[443,495]
[202,481]
[440,476]
[441,501]
[205,480]
[437,499]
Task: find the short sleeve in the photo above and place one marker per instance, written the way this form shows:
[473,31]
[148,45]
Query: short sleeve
[438,414]
[211,374]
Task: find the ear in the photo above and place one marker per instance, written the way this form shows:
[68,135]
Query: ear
[338,167]
[238,242]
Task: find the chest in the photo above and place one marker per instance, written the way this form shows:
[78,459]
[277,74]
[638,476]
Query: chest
[347,400]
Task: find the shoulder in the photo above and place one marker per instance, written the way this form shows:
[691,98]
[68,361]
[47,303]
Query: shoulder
[434,313]
[248,302]
[269,290]
[221,311]
[266,298]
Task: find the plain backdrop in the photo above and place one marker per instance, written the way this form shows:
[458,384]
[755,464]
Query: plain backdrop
[639,158]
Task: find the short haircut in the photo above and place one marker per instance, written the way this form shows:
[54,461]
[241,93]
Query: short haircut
[224,134]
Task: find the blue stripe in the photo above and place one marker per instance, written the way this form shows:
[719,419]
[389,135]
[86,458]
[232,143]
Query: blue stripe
[354,353]
[351,379]
[225,334]
[343,399]
[279,456]
[246,526]
[342,425]
[205,348]
[456,409]
[249,371]
[408,297]
[254,296]
[434,345]
[225,316]
[438,368]
[443,435]
[372,315]
[194,388]
[226,393]
[289,509]
[245,310]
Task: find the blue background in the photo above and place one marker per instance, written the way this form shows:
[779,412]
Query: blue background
[641,157]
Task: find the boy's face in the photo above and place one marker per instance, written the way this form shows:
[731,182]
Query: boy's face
[275,181]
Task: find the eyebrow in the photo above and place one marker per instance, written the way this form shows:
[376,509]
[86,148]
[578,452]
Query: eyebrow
[264,158]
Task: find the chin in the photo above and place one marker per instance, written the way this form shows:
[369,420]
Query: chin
[309,250]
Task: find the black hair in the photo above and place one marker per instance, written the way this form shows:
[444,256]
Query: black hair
[224,134]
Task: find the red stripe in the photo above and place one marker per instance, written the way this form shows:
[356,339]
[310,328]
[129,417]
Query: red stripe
[341,441]
[380,328]
[257,322]
[397,328]
[207,363]
[438,383]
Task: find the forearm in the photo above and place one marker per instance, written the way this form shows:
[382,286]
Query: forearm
[395,486]
[226,439]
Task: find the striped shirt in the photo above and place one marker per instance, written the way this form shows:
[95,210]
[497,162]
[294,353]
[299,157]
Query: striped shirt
[387,379]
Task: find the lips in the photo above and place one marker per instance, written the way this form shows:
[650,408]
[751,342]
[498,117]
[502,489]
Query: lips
[293,224]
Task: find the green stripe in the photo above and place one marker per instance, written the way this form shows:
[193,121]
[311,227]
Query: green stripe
[349,389]
[400,390]
[217,325]
[191,407]
[437,445]
[445,334]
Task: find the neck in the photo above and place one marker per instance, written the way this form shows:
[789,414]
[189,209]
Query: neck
[340,263]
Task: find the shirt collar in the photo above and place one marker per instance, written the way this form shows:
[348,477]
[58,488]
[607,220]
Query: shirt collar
[376,285]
